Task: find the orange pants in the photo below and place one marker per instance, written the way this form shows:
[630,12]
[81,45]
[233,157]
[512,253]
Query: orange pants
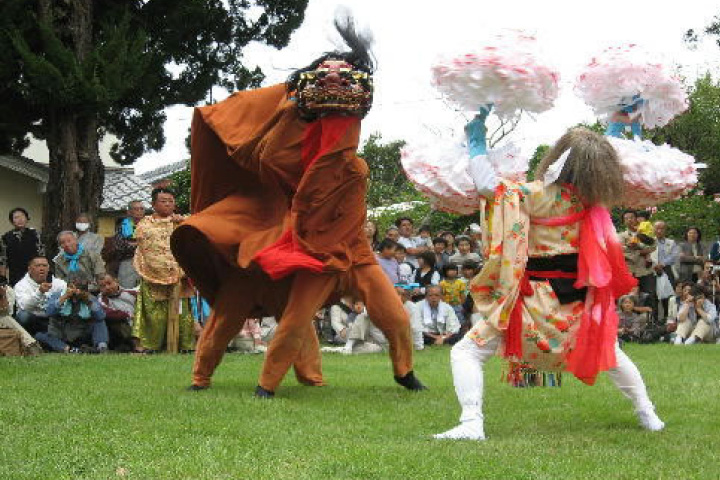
[295,342]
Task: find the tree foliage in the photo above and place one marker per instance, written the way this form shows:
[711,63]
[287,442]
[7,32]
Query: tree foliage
[135,59]
[695,210]
[74,71]
[697,131]
[180,185]
[387,183]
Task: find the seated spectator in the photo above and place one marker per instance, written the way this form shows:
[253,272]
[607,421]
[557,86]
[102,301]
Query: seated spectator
[416,328]
[465,253]
[364,336]
[708,281]
[342,314]
[32,293]
[74,260]
[672,310]
[76,319]
[425,275]
[387,261]
[249,339]
[631,325]
[454,291]
[91,242]
[27,344]
[119,307]
[440,324]
[268,325]
[697,319]
[406,270]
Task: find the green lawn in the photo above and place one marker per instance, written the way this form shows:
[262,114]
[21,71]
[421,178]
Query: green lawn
[121,416]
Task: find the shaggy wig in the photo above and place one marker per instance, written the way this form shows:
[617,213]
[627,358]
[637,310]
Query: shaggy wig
[592,167]
[359,55]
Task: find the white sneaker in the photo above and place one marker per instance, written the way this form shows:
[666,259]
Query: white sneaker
[472,430]
[678,340]
[690,340]
[650,421]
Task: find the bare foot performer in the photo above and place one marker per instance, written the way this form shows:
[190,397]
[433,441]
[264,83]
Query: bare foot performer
[278,197]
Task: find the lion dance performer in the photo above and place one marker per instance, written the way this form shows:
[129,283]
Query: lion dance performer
[278,197]
[553,268]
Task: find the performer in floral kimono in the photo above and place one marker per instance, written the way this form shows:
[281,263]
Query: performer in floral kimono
[553,269]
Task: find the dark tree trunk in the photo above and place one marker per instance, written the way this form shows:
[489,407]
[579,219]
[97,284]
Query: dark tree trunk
[76,172]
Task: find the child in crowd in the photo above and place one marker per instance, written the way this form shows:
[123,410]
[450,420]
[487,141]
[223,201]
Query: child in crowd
[387,261]
[469,270]
[631,323]
[406,271]
[454,290]
[644,225]
[426,235]
[450,239]
[415,327]
[441,256]
[464,245]
[425,275]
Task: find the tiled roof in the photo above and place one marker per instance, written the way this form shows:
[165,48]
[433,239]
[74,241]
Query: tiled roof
[25,166]
[161,173]
[121,187]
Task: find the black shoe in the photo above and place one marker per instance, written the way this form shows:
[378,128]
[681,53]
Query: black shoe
[260,392]
[411,382]
[196,388]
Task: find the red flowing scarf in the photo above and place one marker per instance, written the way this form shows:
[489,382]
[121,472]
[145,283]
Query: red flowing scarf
[286,255]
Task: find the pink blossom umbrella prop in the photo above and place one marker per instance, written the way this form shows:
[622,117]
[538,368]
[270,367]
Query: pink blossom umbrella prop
[654,174]
[508,72]
[613,77]
[439,169]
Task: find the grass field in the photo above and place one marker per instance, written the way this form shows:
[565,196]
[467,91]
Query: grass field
[120,416]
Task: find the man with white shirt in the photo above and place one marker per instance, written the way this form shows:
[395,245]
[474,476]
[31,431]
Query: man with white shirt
[32,293]
[414,246]
[439,321]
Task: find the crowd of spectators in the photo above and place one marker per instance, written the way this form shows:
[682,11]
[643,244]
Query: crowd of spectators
[678,290]
[431,274]
[84,299]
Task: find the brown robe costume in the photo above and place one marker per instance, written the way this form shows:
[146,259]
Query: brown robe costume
[276,196]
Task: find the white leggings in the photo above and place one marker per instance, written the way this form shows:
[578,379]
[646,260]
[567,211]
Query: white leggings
[467,359]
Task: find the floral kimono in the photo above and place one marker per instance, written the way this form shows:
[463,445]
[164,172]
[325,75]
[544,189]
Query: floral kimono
[541,240]
[159,273]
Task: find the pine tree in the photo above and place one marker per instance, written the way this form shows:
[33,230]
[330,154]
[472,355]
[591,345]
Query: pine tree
[72,71]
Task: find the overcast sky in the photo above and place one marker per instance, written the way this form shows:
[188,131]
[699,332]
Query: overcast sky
[409,34]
